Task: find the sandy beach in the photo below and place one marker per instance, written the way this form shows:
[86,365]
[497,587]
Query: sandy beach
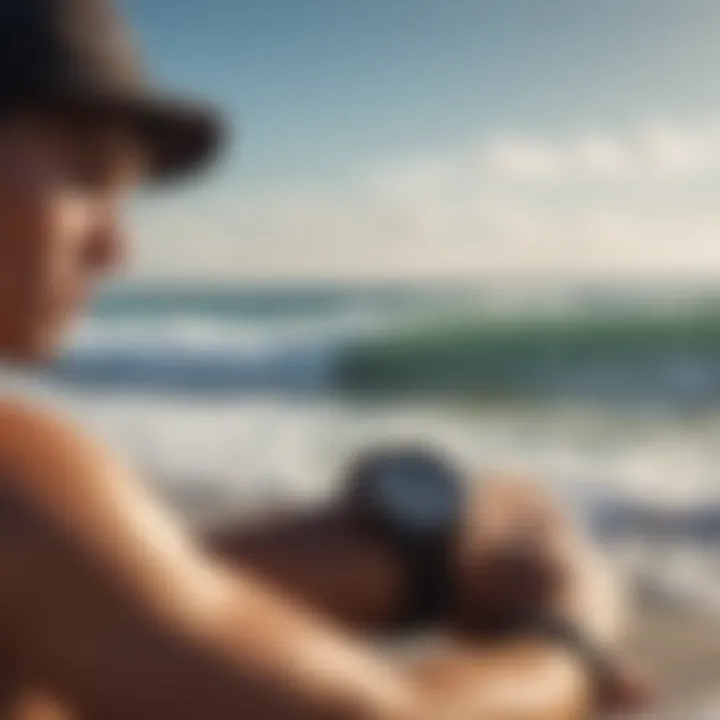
[681,650]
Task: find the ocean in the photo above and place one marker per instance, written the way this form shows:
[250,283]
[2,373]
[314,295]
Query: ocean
[229,399]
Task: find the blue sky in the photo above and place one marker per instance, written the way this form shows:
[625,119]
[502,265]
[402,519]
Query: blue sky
[340,101]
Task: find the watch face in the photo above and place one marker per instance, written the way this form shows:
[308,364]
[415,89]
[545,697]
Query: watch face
[419,492]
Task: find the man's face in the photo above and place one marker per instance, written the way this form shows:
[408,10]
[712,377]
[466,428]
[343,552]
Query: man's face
[63,183]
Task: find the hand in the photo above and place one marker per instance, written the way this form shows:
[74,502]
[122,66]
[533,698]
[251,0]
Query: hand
[514,557]
[481,683]
[520,555]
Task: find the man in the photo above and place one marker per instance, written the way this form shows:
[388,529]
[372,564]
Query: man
[107,609]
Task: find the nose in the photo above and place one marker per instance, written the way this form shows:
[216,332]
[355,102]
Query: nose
[106,251]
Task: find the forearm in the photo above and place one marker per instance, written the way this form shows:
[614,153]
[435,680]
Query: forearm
[313,672]
[323,560]
[522,679]
[304,671]
[349,575]
[258,656]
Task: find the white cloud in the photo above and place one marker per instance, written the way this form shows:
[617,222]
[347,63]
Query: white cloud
[601,156]
[654,150]
[525,158]
[589,203]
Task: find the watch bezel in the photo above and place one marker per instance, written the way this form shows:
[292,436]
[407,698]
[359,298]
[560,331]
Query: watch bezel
[366,492]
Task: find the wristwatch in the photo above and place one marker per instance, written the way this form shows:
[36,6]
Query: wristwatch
[413,498]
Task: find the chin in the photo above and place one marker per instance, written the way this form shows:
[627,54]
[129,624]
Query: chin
[29,356]
[33,351]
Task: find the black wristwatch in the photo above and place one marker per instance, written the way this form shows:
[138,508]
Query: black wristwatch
[414,499]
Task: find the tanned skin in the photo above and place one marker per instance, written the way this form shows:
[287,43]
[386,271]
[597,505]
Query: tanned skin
[109,609]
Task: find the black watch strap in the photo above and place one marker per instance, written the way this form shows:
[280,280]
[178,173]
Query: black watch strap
[430,584]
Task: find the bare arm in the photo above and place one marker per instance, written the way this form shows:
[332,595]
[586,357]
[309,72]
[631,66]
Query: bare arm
[322,559]
[325,559]
[108,605]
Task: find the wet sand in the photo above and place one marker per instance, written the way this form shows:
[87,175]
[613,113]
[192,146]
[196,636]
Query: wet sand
[681,648]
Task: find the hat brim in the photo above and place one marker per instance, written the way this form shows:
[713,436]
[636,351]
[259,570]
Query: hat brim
[180,137]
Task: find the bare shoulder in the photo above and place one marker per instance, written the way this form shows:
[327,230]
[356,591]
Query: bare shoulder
[79,487]
[22,418]
[30,432]
[45,462]
[47,453]
[47,458]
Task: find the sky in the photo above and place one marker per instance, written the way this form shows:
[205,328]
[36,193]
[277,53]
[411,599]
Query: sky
[441,138]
